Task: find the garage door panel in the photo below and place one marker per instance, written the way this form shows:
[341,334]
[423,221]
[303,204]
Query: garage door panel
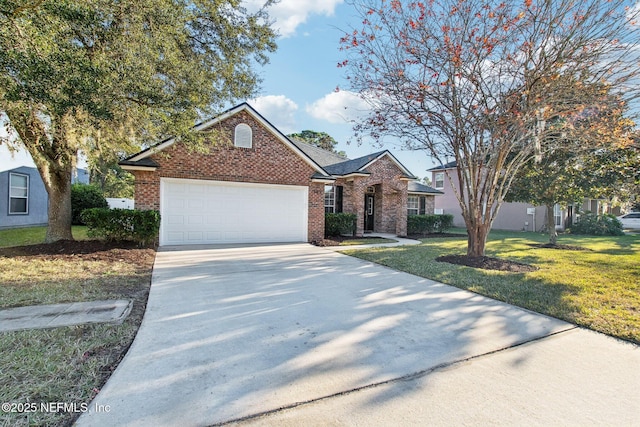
[219,212]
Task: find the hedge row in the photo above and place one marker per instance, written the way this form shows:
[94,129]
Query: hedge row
[122,224]
[336,224]
[85,196]
[597,225]
[428,224]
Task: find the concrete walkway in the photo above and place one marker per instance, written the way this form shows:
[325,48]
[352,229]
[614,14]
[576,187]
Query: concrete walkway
[399,241]
[56,315]
[301,335]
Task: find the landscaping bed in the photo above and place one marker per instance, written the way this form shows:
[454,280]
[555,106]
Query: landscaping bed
[67,364]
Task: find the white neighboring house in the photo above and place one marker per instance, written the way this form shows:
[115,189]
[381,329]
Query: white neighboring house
[120,203]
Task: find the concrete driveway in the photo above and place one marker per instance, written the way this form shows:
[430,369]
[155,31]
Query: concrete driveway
[301,335]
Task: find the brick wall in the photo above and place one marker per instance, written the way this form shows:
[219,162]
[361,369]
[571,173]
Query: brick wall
[390,197]
[269,161]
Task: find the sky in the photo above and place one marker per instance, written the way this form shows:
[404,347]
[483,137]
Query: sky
[299,85]
[298,89]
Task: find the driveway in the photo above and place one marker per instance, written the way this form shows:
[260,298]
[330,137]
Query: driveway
[234,332]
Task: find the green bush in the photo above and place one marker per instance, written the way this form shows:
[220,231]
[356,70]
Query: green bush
[597,225]
[122,224]
[429,224]
[85,196]
[336,224]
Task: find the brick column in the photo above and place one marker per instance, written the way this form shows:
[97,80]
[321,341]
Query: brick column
[401,213]
[315,226]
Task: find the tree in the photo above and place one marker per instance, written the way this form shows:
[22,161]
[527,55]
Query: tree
[318,139]
[470,81]
[99,75]
[587,156]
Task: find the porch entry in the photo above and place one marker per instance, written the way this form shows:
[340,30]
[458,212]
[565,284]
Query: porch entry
[369,212]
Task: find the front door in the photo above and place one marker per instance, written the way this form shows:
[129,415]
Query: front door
[368,212]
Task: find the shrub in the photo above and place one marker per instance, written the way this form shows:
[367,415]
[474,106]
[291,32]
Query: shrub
[122,224]
[85,196]
[428,224]
[594,225]
[336,224]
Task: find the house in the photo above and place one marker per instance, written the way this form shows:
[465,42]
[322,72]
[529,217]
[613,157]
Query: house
[24,199]
[512,215]
[257,185]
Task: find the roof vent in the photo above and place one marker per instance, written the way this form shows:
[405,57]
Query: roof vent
[243,136]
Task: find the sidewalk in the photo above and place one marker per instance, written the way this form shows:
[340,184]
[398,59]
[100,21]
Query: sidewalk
[56,315]
[399,241]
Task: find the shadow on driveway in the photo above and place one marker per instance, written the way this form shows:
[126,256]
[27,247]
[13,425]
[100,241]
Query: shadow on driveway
[231,332]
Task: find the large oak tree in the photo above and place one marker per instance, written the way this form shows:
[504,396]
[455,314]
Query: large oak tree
[469,80]
[103,76]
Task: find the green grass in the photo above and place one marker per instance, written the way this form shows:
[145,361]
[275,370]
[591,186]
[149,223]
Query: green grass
[34,235]
[366,241]
[598,289]
[66,364]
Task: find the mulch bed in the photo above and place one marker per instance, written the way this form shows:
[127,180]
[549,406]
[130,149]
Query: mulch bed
[563,247]
[94,250]
[487,263]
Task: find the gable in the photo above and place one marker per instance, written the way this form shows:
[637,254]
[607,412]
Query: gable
[147,159]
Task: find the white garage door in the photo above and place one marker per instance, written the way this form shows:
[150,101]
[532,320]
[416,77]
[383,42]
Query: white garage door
[205,212]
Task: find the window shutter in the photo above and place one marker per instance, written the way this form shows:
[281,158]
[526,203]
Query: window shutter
[423,205]
[338,198]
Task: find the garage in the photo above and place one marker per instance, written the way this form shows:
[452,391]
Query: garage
[210,212]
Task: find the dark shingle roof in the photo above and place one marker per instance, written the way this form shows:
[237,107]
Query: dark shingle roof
[320,156]
[450,165]
[146,162]
[352,166]
[416,187]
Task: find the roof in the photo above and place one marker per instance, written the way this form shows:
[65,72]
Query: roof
[360,165]
[327,165]
[450,165]
[416,187]
[141,160]
[321,156]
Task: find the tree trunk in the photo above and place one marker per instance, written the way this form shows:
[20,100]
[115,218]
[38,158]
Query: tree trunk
[58,185]
[551,225]
[477,239]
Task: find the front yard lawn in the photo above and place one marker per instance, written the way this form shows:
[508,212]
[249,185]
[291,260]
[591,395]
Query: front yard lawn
[66,364]
[598,288]
[34,235]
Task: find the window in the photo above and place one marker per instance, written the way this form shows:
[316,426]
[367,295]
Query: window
[329,199]
[439,180]
[243,136]
[557,215]
[413,205]
[332,198]
[18,193]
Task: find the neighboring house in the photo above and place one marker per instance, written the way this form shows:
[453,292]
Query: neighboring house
[23,197]
[512,215]
[264,187]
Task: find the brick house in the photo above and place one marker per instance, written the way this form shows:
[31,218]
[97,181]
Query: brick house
[257,185]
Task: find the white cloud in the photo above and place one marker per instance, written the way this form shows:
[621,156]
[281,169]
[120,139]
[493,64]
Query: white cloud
[289,14]
[277,109]
[339,107]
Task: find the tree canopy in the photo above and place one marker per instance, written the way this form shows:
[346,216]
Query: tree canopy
[475,81]
[107,77]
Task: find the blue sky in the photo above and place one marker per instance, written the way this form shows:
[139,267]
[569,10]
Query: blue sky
[298,91]
[299,85]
